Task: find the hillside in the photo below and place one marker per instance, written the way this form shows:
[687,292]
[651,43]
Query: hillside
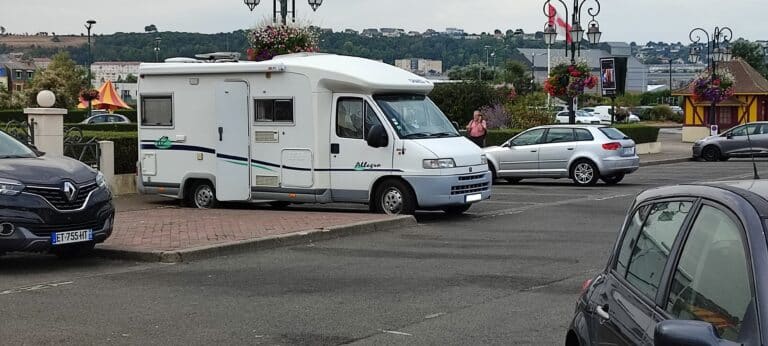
[22,42]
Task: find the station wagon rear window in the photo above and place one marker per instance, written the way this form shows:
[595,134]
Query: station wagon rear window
[274,110]
[613,133]
[156,111]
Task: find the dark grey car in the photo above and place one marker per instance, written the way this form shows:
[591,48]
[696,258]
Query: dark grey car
[687,269]
[734,143]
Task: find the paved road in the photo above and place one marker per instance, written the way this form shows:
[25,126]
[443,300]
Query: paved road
[507,273]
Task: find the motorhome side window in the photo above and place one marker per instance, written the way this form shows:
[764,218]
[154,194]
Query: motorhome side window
[354,118]
[156,111]
[274,110]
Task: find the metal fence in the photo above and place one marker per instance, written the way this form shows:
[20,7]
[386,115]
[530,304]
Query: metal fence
[22,131]
[78,147]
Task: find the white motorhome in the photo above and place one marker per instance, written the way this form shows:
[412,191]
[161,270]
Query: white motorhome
[302,128]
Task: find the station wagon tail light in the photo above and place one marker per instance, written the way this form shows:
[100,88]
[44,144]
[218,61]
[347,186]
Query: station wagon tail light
[612,146]
[439,163]
[10,187]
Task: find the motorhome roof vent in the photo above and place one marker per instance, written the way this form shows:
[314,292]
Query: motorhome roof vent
[183,60]
[219,57]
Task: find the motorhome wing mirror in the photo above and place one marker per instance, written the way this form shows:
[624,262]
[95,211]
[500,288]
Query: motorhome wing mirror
[455,125]
[377,137]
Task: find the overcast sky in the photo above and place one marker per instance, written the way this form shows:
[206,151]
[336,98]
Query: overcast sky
[620,20]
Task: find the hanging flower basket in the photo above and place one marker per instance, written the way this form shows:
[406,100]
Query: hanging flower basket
[268,41]
[568,80]
[89,94]
[717,89]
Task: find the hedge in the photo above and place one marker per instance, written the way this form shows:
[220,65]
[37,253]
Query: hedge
[126,148]
[108,127]
[72,116]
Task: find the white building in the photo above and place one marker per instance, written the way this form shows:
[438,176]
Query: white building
[103,71]
[423,67]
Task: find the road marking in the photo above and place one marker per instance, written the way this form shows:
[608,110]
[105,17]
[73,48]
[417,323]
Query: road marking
[35,288]
[429,317]
[396,332]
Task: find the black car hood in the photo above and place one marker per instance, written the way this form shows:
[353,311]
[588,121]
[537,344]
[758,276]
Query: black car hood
[46,170]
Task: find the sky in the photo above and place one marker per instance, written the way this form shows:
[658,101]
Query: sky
[620,20]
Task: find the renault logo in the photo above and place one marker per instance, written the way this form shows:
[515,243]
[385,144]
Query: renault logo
[70,191]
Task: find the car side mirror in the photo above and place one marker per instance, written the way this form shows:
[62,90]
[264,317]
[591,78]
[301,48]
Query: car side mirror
[729,136]
[685,332]
[377,137]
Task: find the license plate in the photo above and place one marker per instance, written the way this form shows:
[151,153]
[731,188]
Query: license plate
[629,151]
[473,198]
[59,238]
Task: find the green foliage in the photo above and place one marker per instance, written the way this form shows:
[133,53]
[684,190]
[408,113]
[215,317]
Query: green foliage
[661,113]
[126,148]
[472,72]
[518,75]
[498,137]
[459,100]
[629,100]
[753,54]
[63,77]
[640,133]
[105,127]
[529,111]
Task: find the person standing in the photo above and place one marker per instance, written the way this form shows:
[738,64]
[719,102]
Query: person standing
[477,129]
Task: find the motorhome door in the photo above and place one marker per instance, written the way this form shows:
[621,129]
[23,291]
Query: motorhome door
[233,173]
[354,164]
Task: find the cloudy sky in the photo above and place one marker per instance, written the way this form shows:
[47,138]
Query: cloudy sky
[620,20]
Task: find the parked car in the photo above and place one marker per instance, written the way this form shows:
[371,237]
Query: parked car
[584,153]
[582,117]
[604,113]
[686,269]
[106,118]
[734,143]
[50,204]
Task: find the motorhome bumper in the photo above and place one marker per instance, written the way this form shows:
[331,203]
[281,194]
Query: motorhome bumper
[434,192]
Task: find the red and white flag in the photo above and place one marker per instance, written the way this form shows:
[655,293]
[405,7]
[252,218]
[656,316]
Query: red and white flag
[559,24]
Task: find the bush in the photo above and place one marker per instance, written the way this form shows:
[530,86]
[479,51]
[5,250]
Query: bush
[529,111]
[108,127]
[498,137]
[126,148]
[496,116]
[72,116]
[640,133]
[459,100]
[663,113]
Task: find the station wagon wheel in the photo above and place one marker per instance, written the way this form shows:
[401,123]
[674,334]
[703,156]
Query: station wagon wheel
[393,197]
[711,153]
[203,196]
[584,173]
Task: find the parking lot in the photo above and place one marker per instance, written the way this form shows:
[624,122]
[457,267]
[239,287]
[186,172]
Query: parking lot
[508,272]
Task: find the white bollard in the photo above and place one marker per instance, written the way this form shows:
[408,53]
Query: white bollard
[107,162]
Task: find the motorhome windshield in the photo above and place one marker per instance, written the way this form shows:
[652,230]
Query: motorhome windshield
[11,148]
[415,116]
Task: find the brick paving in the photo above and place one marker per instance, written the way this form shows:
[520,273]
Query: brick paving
[168,229]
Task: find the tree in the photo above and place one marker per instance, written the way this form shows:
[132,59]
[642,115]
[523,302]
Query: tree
[150,28]
[752,53]
[130,78]
[518,75]
[63,77]
[472,72]
[459,100]
[530,111]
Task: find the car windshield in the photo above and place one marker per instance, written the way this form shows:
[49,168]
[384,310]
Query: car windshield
[583,114]
[10,148]
[613,133]
[415,116]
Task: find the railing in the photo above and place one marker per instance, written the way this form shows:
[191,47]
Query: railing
[21,130]
[78,147]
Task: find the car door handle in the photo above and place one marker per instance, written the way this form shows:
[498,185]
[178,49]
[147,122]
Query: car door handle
[602,312]
[533,151]
[221,133]
[570,148]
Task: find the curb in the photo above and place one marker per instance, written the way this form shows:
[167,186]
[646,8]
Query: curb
[242,246]
[665,161]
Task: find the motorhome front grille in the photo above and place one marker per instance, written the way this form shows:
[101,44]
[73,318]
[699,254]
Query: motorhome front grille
[473,188]
[471,177]
[56,196]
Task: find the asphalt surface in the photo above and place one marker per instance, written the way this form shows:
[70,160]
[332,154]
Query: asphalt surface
[507,273]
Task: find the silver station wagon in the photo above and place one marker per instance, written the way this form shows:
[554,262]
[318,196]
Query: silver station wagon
[584,153]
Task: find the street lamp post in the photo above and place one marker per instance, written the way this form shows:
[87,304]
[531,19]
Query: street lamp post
[88,25]
[283,11]
[718,50]
[157,48]
[577,33]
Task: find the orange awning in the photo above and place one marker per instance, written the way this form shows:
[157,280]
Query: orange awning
[108,99]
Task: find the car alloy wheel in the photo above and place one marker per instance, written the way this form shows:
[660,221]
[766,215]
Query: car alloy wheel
[711,153]
[584,173]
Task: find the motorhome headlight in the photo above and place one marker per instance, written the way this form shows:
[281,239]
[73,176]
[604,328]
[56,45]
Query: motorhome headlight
[483,159]
[10,187]
[439,163]
[100,180]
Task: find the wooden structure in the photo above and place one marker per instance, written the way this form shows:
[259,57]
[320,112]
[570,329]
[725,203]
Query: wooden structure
[749,103]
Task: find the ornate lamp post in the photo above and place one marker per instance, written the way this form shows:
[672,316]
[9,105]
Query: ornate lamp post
[88,25]
[574,21]
[718,50]
[283,11]
[157,48]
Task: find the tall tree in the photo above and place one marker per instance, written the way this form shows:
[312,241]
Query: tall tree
[518,75]
[752,53]
[150,28]
[63,77]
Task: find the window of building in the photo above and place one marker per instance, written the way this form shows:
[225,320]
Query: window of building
[644,250]
[157,110]
[711,282]
[18,74]
[29,74]
[274,110]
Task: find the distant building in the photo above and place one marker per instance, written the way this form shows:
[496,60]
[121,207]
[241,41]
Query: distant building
[414,33]
[392,32]
[473,37]
[430,33]
[4,82]
[351,31]
[41,63]
[129,92]
[103,71]
[19,75]
[326,30]
[454,32]
[422,67]
[371,33]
